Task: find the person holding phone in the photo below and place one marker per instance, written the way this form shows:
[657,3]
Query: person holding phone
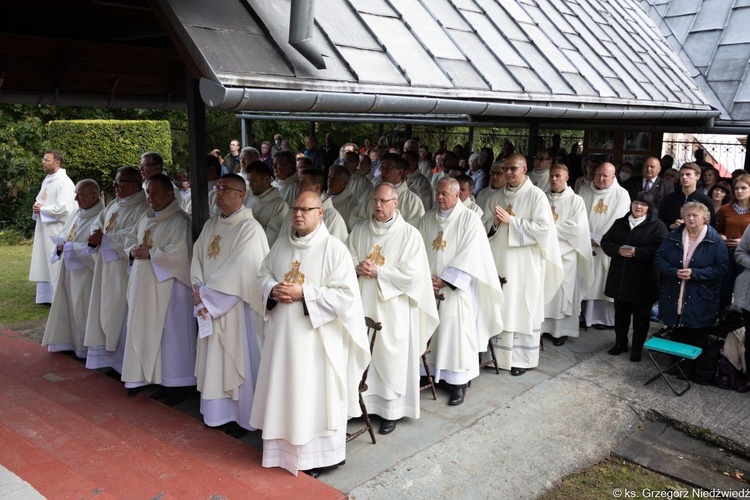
[632,281]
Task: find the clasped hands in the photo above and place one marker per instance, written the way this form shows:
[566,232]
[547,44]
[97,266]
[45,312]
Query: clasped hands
[437,284]
[197,300]
[286,292]
[96,238]
[501,215]
[684,274]
[367,269]
[140,252]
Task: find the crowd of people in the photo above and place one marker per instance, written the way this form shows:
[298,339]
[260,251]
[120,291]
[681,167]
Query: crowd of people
[264,312]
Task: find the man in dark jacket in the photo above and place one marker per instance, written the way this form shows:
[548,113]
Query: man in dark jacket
[669,211]
[650,182]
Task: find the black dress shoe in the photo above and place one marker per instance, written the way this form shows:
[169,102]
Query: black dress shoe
[617,349]
[517,372]
[457,395]
[560,341]
[387,426]
[599,326]
[635,357]
[314,473]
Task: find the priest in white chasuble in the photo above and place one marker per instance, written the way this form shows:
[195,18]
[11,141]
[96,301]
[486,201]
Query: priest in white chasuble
[227,300]
[105,322]
[312,180]
[66,323]
[571,222]
[396,286]
[524,245]
[268,207]
[464,272]
[54,205]
[161,330]
[393,171]
[606,201]
[315,348]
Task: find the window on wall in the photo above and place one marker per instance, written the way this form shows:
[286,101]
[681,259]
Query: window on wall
[621,146]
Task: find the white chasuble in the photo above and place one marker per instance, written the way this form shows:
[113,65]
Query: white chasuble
[270,210]
[225,265]
[57,196]
[604,207]
[160,341]
[311,363]
[571,221]
[401,298]
[110,283]
[527,256]
[66,324]
[458,251]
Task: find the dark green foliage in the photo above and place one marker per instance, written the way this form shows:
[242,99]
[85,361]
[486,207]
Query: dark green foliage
[95,149]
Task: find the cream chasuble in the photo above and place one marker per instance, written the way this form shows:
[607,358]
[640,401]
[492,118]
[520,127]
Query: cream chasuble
[287,188]
[160,303]
[528,262]
[604,207]
[270,210]
[66,324]
[346,204]
[311,364]
[401,298]
[540,179]
[57,196]
[457,246]
[571,222]
[483,196]
[226,260]
[108,306]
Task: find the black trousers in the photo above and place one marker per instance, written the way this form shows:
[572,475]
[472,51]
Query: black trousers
[641,313]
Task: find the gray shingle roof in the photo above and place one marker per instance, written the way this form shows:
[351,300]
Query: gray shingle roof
[563,58]
[713,40]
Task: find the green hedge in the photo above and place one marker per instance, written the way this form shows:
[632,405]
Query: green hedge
[94,149]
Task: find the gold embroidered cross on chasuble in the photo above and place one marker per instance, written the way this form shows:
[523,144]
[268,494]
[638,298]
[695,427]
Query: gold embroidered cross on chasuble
[294,276]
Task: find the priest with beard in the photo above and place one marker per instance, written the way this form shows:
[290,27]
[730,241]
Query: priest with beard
[315,347]
[66,323]
[224,274]
[464,272]
[396,287]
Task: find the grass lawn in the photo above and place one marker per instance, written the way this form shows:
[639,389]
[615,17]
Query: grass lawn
[17,293]
[616,479]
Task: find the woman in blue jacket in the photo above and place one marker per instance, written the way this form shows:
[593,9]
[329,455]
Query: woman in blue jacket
[692,261]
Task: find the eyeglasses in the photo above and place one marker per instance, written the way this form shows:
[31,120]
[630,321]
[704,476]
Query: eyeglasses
[304,210]
[381,201]
[224,189]
[510,169]
[120,183]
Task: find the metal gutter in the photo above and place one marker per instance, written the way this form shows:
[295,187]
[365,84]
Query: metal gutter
[273,100]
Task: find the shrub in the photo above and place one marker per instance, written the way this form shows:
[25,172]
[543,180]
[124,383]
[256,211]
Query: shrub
[94,149]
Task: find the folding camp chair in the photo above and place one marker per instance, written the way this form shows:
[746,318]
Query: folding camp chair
[679,350]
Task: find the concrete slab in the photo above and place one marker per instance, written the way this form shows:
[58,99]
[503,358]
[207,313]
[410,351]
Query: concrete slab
[659,447]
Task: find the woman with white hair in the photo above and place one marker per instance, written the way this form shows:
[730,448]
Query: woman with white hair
[691,261]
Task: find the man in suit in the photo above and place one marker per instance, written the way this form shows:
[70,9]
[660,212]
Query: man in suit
[649,182]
